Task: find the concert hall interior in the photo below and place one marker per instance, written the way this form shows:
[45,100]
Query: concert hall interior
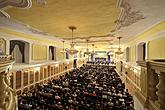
[82,54]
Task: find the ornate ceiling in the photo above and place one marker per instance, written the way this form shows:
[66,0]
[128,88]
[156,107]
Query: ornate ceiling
[100,21]
[93,18]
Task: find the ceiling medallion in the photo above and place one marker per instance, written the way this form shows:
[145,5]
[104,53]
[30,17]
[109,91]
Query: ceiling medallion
[119,52]
[72,50]
[127,16]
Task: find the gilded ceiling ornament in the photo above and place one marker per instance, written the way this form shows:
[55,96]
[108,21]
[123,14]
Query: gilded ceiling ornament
[14,3]
[128,16]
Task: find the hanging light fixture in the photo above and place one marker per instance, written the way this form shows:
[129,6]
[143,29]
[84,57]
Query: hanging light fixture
[87,51]
[63,50]
[119,52]
[72,50]
[93,52]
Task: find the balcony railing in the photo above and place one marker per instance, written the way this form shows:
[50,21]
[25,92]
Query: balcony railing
[155,84]
[8,99]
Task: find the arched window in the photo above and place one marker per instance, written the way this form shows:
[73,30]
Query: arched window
[20,51]
[141,51]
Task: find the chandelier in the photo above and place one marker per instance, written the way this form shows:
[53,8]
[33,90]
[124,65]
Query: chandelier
[87,52]
[119,52]
[72,50]
[63,50]
[93,52]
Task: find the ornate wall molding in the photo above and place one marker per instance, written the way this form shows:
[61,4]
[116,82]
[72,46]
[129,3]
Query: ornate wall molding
[2,46]
[128,16]
[14,3]
[36,31]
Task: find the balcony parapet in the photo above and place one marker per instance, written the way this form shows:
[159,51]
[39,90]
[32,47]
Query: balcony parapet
[8,100]
[155,70]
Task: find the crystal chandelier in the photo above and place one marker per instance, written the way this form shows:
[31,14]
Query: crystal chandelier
[87,52]
[93,52]
[119,52]
[72,50]
[63,50]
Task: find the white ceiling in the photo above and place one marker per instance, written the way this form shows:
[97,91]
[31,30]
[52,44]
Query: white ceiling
[152,10]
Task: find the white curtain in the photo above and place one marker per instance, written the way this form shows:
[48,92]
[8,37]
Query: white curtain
[17,54]
[50,54]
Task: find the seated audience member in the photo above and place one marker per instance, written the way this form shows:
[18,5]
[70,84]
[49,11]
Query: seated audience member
[90,87]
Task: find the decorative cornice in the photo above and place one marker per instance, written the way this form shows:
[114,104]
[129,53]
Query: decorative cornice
[128,16]
[91,41]
[35,31]
[107,35]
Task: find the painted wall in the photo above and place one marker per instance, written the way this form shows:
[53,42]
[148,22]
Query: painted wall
[132,53]
[148,34]
[39,52]
[60,56]
[156,49]
[156,38]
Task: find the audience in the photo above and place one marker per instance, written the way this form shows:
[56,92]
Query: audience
[90,87]
[100,62]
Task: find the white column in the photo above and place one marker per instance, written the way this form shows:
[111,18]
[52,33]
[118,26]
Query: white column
[47,52]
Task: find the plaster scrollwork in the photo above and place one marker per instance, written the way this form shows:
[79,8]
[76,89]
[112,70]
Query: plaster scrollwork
[14,3]
[35,31]
[128,16]
[2,46]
